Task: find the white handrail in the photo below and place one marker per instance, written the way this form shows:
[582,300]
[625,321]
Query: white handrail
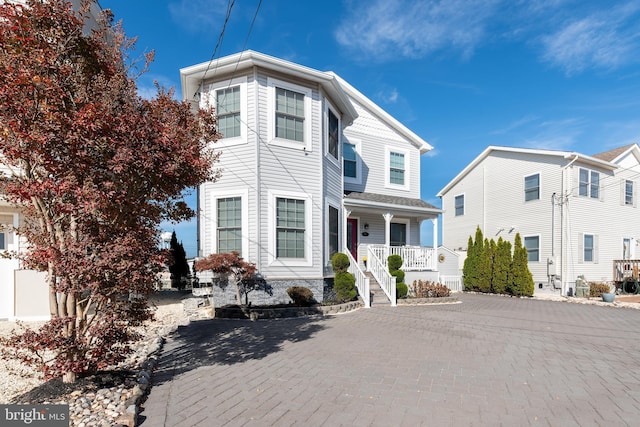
[362,281]
[454,283]
[414,258]
[385,279]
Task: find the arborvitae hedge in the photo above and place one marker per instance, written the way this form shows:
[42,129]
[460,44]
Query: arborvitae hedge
[490,267]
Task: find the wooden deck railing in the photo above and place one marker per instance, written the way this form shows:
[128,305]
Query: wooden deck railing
[626,269]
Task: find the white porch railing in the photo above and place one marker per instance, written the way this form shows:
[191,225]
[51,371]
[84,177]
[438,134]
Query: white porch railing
[362,281]
[454,283]
[379,270]
[414,258]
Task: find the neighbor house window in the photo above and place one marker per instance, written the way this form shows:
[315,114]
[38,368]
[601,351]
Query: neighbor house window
[532,187]
[398,234]
[229,231]
[459,204]
[396,168]
[333,231]
[626,248]
[628,192]
[290,228]
[350,160]
[532,244]
[228,110]
[3,241]
[289,114]
[589,185]
[333,129]
[589,241]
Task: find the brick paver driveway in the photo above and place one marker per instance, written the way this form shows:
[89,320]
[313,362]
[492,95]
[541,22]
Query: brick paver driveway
[487,361]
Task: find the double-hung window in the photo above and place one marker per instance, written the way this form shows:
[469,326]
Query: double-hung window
[532,244]
[396,168]
[350,160]
[333,231]
[333,129]
[229,227]
[589,183]
[588,248]
[228,110]
[459,204]
[628,193]
[290,228]
[532,187]
[289,114]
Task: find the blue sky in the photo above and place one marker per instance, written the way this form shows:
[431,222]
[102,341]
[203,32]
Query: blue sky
[552,74]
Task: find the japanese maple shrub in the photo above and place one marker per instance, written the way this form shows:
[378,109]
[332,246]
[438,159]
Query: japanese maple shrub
[94,168]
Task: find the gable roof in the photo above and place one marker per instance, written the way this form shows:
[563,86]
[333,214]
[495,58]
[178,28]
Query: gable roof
[389,120]
[568,155]
[613,155]
[192,77]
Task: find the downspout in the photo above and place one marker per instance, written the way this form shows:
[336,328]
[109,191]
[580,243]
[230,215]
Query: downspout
[563,201]
[258,187]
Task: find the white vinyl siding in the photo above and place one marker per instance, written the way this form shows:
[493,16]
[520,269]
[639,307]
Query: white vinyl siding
[532,244]
[532,187]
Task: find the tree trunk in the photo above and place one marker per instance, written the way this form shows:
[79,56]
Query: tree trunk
[69,377]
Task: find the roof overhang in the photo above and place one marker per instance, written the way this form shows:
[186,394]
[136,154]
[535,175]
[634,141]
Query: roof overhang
[191,78]
[371,206]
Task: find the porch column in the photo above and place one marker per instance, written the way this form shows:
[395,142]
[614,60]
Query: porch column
[435,233]
[345,214]
[387,228]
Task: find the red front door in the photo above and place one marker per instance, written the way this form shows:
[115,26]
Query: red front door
[352,237]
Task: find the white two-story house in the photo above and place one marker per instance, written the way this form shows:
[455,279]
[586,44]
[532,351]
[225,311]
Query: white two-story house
[310,167]
[576,214]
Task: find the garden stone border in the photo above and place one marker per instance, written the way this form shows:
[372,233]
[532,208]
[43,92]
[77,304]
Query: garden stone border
[422,301]
[284,312]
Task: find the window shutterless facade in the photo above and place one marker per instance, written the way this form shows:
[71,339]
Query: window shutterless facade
[229,227]
[628,193]
[228,111]
[459,204]
[350,160]
[290,228]
[289,115]
[532,187]
[333,133]
[532,244]
[589,183]
[396,168]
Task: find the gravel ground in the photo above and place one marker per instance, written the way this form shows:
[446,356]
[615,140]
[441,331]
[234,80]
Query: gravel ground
[16,379]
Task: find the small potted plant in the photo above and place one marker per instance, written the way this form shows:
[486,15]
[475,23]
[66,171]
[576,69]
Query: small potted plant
[609,296]
[364,260]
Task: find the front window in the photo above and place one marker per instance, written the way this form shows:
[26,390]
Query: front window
[589,185]
[532,244]
[532,187]
[396,168]
[229,224]
[398,234]
[349,160]
[628,192]
[289,115]
[332,137]
[589,245]
[290,228]
[459,205]
[333,231]
[228,110]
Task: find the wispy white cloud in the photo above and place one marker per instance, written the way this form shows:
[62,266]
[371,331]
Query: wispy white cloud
[198,15]
[383,29]
[561,134]
[517,124]
[604,39]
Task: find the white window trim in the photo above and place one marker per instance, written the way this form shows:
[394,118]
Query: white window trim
[539,246]
[272,84]
[524,180]
[632,247]
[596,249]
[238,81]
[464,205]
[634,193]
[329,107]
[358,144]
[387,169]
[600,186]
[274,261]
[334,203]
[244,203]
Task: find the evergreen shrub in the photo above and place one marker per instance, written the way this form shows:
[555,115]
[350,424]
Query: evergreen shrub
[344,284]
[301,296]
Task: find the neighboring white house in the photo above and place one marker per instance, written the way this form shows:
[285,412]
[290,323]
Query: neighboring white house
[24,294]
[310,166]
[576,213]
